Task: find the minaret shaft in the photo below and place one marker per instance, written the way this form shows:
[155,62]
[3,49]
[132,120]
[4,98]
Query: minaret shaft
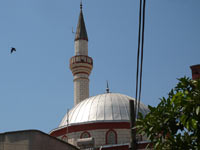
[81,87]
[81,47]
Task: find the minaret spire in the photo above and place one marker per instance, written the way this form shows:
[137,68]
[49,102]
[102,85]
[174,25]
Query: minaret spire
[81,64]
[81,32]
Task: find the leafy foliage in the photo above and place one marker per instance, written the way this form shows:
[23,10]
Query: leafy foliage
[175,122]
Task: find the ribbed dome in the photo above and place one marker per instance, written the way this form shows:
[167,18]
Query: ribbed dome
[109,107]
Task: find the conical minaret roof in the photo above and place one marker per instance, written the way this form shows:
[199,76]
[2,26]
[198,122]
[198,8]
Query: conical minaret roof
[81,32]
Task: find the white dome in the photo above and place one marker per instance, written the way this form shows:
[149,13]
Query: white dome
[109,107]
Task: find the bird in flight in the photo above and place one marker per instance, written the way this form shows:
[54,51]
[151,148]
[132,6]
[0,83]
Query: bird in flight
[12,50]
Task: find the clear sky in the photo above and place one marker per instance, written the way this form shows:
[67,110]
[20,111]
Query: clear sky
[36,85]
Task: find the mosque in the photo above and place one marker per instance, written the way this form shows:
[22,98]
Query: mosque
[101,121]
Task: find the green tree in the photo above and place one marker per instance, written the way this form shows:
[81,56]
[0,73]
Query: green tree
[175,122]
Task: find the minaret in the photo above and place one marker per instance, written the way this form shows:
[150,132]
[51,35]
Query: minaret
[81,64]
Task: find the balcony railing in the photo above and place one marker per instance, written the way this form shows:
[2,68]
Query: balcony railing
[81,59]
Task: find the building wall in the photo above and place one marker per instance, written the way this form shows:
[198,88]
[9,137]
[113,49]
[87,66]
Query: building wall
[32,140]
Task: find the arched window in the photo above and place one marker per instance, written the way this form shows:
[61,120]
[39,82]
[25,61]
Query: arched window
[64,138]
[111,137]
[85,135]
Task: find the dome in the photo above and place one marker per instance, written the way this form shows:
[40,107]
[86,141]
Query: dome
[108,107]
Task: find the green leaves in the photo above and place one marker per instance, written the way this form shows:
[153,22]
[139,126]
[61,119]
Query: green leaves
[197,110]
[194,124]
[175,122]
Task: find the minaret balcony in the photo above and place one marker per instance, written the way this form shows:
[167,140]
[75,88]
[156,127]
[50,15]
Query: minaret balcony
[81,64]
[81,59]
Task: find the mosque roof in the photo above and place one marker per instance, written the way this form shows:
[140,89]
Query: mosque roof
[108,107]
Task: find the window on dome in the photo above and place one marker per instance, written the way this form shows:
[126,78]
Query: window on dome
[111,137]
[85,135]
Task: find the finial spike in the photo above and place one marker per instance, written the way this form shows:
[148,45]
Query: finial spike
[81,5]
[107,89]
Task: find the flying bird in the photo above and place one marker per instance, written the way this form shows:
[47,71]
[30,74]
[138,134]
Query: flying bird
[12,50]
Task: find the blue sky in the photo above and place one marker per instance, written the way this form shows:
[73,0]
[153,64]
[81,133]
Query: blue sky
[36,85]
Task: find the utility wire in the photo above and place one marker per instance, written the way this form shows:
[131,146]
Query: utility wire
[138,73]
[142,49]
[138,58]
